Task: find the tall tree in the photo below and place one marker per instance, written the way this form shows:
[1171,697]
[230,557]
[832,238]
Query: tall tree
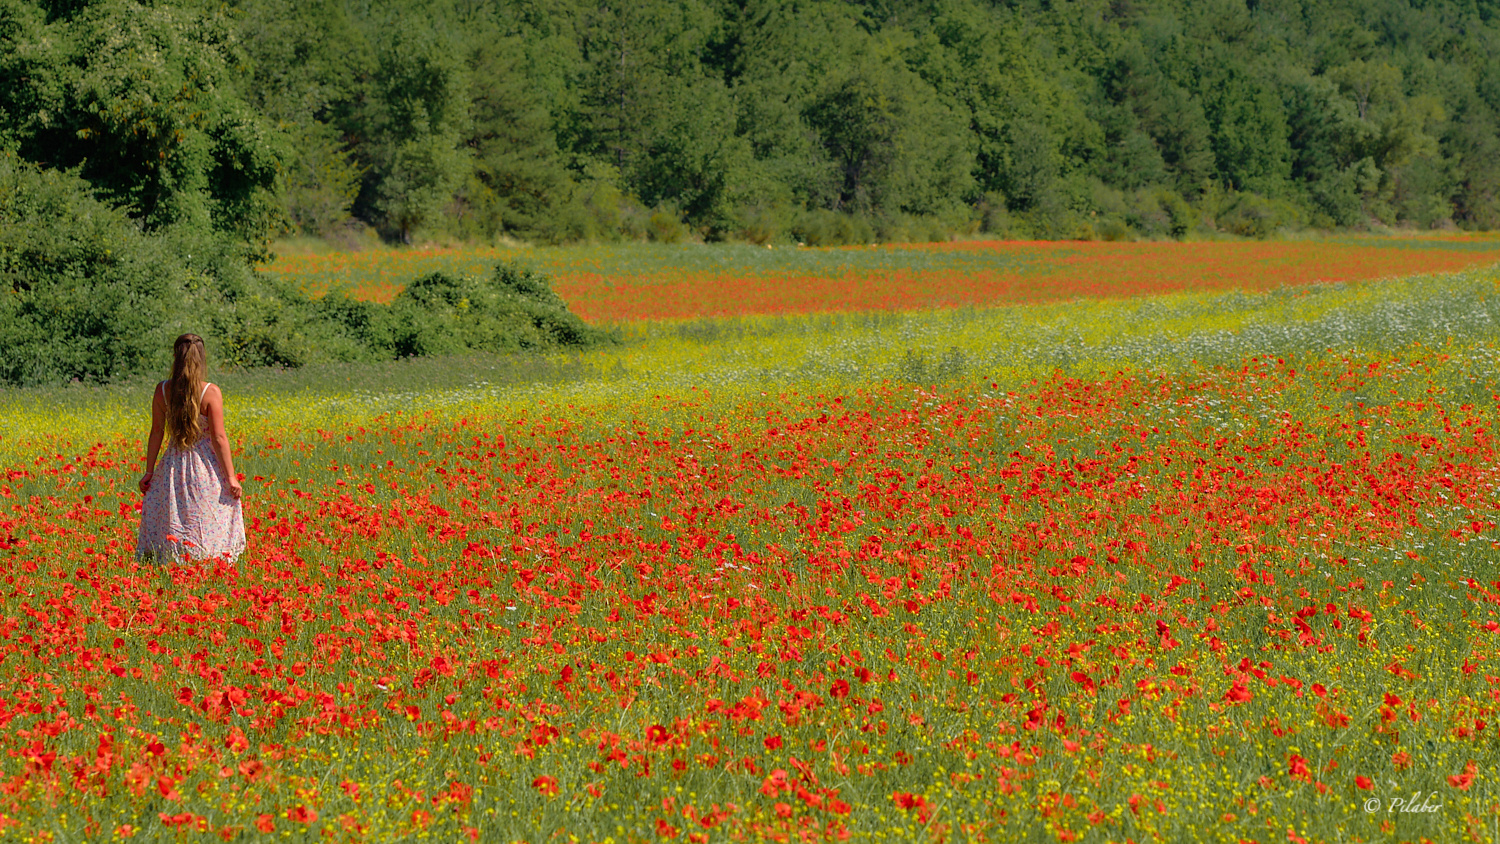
[520,182]
[141,99]
[416,117]
[895,146]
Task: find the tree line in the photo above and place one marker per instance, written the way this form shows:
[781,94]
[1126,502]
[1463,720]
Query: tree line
[823,121]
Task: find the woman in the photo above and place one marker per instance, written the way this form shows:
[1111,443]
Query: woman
[192,506]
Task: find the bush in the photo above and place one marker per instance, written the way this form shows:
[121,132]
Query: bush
[995,218]
[918,228]
[264,322]
[761,224]
[1180,215]
[821,227]
[86,295]
[440,314]
[1114,230]
[665,226]
[513,310]
[1252,215]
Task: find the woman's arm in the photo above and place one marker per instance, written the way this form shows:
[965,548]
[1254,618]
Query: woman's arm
[213,407]
[153,443]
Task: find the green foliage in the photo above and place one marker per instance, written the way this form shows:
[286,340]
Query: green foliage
[1252,215]
[418,115]
[141,100]
[893,145]
[665,226]
[821,227]
[87,294]
[520,185]
[84,293]
[710,120]
[512,310]
[321,180]
[438,314]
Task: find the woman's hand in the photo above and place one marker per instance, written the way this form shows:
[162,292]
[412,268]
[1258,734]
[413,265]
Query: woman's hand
[235,490]
[145,483]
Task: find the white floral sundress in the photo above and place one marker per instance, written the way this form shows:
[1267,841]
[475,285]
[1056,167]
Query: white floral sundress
[188,511]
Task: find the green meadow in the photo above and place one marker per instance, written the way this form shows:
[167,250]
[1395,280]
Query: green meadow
[1191,566]
[729,361]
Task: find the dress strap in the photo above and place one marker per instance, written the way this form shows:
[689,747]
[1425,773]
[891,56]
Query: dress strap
[204,393]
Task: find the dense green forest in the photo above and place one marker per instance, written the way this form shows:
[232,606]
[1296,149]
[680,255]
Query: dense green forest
[762,120]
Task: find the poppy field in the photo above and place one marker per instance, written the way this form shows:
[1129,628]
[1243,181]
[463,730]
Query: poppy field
[629,282]
[1246,594]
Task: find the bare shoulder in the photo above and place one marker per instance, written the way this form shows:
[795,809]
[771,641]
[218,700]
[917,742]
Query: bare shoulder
[213,397]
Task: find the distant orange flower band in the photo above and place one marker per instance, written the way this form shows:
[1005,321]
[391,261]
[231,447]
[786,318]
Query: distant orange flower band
[1015,273]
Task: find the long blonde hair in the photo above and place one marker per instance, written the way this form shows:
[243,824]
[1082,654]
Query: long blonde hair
[184,389]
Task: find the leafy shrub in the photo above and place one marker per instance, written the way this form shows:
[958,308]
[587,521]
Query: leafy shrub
[994,216]
[665,226]
[84,293]
[1180,214]
[513,310]
[920,228]
[821,227]
[1114,230]
[141,99]
[87,295]
[1252,215]
[264,322]
[762,224]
